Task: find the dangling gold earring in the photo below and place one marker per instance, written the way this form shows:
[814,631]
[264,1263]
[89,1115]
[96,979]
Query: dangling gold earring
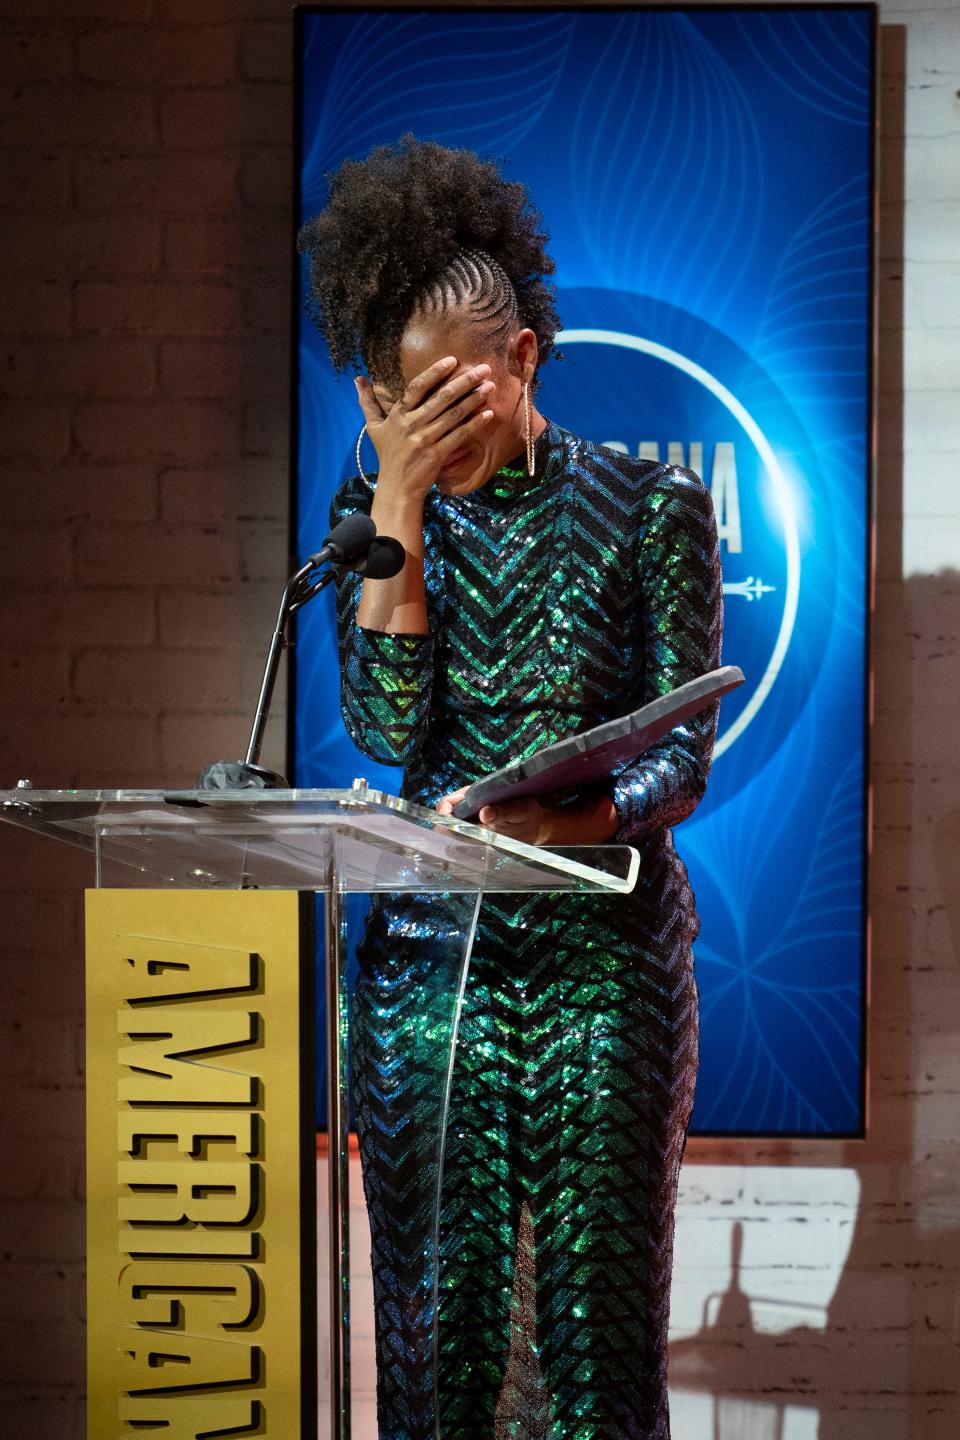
[528,428]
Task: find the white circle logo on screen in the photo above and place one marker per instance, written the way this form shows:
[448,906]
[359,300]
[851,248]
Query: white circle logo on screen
[780,489]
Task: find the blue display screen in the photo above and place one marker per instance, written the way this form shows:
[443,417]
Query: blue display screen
[705,176]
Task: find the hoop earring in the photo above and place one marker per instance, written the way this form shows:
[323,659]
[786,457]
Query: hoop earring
[363,474]
[528,428]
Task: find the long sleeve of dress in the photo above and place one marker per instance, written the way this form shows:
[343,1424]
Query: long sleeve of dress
[385,680]
[681,596]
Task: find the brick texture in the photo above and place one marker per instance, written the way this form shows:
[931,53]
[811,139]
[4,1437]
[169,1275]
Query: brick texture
[181,55]
[129,353]
[144,179]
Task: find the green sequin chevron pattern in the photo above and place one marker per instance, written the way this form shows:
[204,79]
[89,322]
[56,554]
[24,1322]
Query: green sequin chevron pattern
[554,605]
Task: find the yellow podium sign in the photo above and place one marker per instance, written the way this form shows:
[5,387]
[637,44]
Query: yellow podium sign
[201,1220]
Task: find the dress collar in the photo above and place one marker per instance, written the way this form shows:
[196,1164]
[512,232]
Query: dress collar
[512,480]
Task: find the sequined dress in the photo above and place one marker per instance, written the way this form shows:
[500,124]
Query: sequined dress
[554,604]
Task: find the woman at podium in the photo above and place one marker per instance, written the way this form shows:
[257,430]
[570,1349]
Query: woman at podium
[549,585]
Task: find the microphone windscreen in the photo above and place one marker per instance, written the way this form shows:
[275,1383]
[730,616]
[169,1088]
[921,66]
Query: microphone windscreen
[385,557]
[351,535]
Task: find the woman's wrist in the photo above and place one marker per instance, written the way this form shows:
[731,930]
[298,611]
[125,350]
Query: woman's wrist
[399,496]
[397,605]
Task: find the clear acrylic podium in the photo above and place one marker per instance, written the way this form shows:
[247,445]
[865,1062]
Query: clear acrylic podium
[200,1076]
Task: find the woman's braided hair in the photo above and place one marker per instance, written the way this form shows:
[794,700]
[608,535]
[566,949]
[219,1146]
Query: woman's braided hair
[417,226]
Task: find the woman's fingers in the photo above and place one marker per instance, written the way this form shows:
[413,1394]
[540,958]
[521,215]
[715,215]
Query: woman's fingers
[448,431]
[373,411]
[520,819]
[446,803]
[440,401]
[453,440]
[512,813]
[423,383]
[430,396]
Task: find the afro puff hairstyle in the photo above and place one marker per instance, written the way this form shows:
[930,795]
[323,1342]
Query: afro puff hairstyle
[397,226]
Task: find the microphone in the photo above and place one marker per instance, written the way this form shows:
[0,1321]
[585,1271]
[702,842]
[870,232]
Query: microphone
[382,558]
[352,544]
[385,557]
[348,539]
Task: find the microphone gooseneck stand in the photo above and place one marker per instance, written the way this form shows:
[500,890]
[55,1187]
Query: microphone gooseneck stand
[299,589]
[248,774]
[353,544]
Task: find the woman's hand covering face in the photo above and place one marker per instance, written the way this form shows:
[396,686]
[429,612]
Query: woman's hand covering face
[434,419]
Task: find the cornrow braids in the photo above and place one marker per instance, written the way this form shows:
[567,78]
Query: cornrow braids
[474,279]
[419,224]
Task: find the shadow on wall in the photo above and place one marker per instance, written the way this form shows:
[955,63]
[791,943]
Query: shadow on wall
[848,1328]
[878,1361]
